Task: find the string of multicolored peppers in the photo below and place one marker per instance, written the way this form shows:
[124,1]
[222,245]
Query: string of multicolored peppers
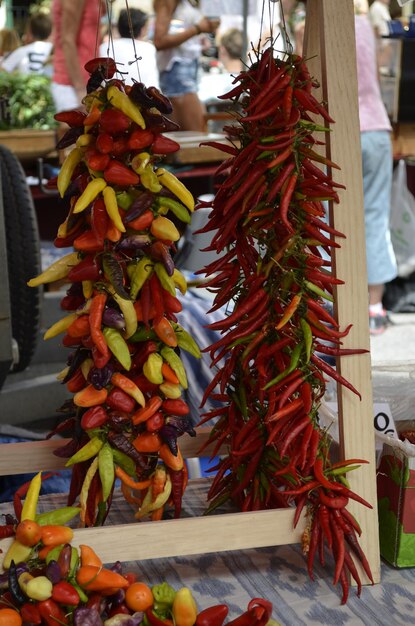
[47,581]
[274,250]
[125,370]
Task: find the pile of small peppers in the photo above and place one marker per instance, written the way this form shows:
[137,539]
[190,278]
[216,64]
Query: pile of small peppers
[274,274]
[47,581]
[124,369]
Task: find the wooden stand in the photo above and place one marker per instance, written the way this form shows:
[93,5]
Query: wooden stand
[330,35]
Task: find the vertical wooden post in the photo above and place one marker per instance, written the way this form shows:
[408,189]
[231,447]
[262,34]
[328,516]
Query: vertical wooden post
[331,52]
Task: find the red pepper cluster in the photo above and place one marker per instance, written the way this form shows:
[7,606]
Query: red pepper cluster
[125,369]
[274,267]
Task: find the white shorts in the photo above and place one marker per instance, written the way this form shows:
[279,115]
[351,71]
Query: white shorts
[64,97]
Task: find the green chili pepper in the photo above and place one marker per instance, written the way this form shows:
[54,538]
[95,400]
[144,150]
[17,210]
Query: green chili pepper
[57,516]
[178,209]
[186,341]
[124,461]
[88,451]
[339,471]
[142,271]
[118,346]
[295,357]
[124,200]
[106,470]
[323,294]
[164,596]
[142,334]
[308,337]
[166,281]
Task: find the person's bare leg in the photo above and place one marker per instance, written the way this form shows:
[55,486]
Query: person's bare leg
[375,294]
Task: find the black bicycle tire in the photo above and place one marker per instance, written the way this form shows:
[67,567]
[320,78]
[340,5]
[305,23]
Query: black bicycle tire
[23,256]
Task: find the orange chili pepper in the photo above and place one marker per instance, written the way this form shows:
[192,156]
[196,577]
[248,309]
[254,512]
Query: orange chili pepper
[147,442]
[113,233]
[169,374]
[165,332]
[150,408]
[88,556]
[93,116]
[139,311]
[95,578]
[54,535]
[95,320]
[89,396]
[173,462]
[129,482]
[289,311]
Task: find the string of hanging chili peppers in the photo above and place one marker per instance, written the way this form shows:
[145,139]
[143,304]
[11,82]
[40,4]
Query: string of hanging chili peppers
[124,369]
[274,250]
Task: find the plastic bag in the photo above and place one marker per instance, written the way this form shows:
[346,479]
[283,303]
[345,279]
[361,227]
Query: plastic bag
[402,223]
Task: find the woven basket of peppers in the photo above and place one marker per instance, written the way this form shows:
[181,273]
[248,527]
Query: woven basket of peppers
[274,277]
[124,369]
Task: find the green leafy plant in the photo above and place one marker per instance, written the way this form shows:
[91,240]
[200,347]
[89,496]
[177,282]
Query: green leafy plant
[27,102]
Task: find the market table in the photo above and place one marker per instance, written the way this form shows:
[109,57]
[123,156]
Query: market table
[276,573]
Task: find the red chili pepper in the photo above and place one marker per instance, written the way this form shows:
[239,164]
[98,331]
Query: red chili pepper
[95,417]
[72,117]
[164,145]
[113,121]
[117,173]
[175,407]
[97,161]
[88,269]
[51,613]
[140,138]
[88,242]
[104,143]
[99,219]
[77,382]
[65,593]
[30,613]
[154,620]
[212,616]
[100,360]
[119,400]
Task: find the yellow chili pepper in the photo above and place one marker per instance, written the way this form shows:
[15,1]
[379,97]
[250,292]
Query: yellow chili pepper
[142,270]
[67,169]
[121,101]
[58,270]
[89,194]
[87,451]
[170,390]
[140,162]
[32,497]
[84,140]
[60,326]
[149,180]
[83,496]
[128,311]
[152,368]
[172,358]
[172,183]
[87,288]
[86,367]
[149,505]
[17,552]
[110,199]
[106,470]
[166,281]
[163,228]
[180,281]
[184,608]
[118,346]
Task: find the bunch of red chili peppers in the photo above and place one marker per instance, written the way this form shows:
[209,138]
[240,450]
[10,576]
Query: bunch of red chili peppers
[274,250]
[125,369]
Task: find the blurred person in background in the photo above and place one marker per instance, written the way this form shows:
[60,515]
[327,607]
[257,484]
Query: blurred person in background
[135,57]
[76,27]
[377,168]
[380,17]
[178,27]
[34,55]
[219,80]
[9,41]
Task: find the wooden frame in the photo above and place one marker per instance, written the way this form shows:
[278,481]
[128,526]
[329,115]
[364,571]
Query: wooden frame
[330,35]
